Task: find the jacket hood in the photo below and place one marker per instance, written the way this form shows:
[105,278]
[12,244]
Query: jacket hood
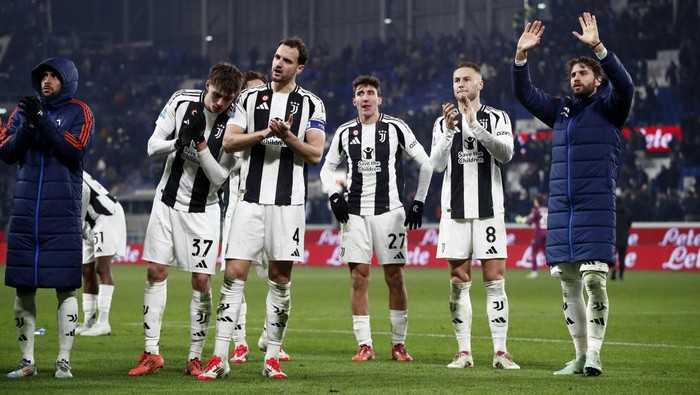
[68,74]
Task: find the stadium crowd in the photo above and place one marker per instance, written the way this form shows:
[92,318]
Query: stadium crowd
[125,87]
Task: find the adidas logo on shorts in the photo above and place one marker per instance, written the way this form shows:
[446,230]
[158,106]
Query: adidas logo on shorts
[400,255]
[202,264]
[492,250]
[295,253]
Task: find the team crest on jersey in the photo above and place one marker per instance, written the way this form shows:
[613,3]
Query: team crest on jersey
[59,121]
[219,130]
[382,136]
[295,107]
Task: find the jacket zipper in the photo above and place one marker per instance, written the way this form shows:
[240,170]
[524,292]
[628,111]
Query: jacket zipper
[36,222]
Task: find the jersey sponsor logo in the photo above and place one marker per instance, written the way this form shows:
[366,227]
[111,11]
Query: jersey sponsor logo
[274,141]
[369,166]
[492,250]
[263,106]
[469,142]
[354,141]
[470,157]
[188,154]
[368,153]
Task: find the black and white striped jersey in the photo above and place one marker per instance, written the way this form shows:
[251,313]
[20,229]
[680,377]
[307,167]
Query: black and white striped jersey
[375,182]
[271,173]
[472,186]
[96,200]
[184,185]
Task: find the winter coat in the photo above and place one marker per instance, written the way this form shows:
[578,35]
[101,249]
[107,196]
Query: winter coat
[585,150]
[45,233]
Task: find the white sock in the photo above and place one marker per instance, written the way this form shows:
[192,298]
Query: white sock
[575,313]
[497,313]
[104,303]
[67,316]
[239,335]
[227,314]
[25,321]
[597,309]
[200,312]
[461,312]
[363,332]
[154,299]
[279,303]
[399,326]
[89,307]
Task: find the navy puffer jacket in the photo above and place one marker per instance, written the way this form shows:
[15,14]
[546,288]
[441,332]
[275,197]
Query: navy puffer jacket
[45,233]
[585,150]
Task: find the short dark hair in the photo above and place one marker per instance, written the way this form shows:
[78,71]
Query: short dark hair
[540,199]
[226,77]
[298,43]
[367,80]
[591,63]
[253,75]
[469,65]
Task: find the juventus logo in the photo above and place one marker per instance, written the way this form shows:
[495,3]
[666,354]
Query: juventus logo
[498,305]
[278,311]
[202,318]
[382,136]
[145,309]
[219,130]
[19,322]
[72,317]
[368,153]
[222,306]
[484,123]
[295,107]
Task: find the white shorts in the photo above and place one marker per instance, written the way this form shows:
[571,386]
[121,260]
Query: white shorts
[472,238]
[106,238]
[576,269]
[276,231]
[261,264]
[187,241]
[383,234]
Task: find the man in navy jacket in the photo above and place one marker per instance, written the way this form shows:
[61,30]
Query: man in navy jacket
[46,136]
[582,182]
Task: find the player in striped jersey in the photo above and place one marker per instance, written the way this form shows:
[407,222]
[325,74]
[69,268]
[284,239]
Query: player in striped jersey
[104,237]
[279,128]
[240,352]
[181,231]
[373,216]
[470,143]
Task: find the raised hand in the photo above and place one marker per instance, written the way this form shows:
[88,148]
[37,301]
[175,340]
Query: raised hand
[193,126]
[589,28]
[531,36]
[451,114]
[280,127]
[31,108]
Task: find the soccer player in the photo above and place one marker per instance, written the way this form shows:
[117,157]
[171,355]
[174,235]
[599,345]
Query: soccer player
[471,141]
[46,137]
[280,129]
[104,237]
[180,233]
[240,351]
[582,180]
[373,217]
[538,218]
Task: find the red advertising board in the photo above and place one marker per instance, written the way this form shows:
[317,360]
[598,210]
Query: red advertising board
[671,247]
[658,138]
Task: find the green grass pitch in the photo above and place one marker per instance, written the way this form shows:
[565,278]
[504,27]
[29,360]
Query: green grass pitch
[652,344]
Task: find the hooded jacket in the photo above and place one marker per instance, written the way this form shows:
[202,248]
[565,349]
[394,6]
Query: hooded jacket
[45,233]
[585,150]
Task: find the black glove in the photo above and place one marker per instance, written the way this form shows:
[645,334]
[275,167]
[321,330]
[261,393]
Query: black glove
[193,125]
[31,108]
[340,208]
[414,217]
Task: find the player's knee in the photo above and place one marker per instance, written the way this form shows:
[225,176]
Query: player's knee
[594,282]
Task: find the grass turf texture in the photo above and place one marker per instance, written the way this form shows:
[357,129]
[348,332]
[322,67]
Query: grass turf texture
[652,343]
